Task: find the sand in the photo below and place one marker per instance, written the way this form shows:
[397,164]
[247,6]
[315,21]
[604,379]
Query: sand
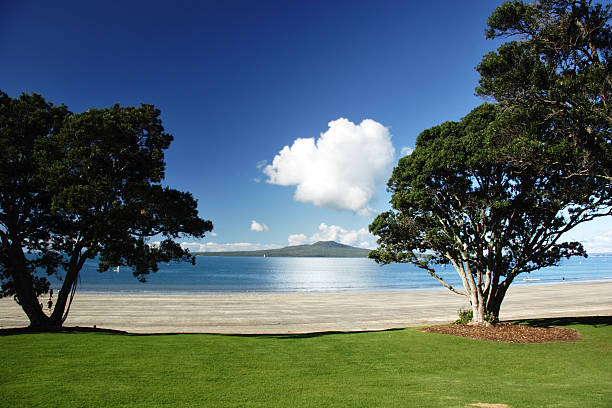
[305,313]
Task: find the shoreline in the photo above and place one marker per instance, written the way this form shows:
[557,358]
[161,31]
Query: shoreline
[438,287]
[285,313]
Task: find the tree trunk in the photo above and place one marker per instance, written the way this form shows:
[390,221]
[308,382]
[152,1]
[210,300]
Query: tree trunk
[57,317]
[479,313]
[477,302]
[493,307]
[24,290]
[495,301]
[29,302]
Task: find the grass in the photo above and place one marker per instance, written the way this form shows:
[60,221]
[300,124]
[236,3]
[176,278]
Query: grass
[404,368]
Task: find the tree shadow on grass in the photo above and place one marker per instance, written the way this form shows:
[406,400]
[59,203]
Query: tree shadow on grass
[67,329]
[77,329]
[595,321]
[281,336]
[290,336]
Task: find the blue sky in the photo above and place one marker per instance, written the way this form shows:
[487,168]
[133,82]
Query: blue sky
[288,116]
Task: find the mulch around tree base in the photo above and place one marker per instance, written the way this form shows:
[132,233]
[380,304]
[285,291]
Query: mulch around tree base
[508,333]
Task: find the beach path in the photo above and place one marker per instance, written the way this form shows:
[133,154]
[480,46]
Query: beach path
[306,313]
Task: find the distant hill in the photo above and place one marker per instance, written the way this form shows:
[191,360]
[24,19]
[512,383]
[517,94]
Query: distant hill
[330,249]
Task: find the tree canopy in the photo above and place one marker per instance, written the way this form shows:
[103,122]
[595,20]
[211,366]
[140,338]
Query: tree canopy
[494,193]
[557,68]
[455,202]
[80,186]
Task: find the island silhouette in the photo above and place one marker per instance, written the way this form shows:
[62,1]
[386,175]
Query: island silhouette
[326,249]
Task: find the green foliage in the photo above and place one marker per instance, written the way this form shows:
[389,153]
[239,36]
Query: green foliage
[456,201]
[104,169]
[24,203]
[381,369]
[467,315]
[76,186]
[558,67]
[493,194]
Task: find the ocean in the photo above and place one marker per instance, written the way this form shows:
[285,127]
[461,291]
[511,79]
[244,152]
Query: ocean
[221,275]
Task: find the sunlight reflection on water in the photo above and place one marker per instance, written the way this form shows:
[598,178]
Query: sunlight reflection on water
[307,275]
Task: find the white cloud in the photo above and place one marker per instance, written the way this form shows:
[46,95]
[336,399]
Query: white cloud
[343,169]
[600,242]
[216,247]
[406,151]
[261,164]
[257,227]
[213,234]
[361,237]
[298,239]
[595,235]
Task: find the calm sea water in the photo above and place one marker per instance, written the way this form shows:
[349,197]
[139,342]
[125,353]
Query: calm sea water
[308,275]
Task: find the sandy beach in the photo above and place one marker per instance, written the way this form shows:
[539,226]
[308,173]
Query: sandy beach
[303,313]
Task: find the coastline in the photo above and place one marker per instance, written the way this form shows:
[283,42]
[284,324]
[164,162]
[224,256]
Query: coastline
[197,292]
[254,313]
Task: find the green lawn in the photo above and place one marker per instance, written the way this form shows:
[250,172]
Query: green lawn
[404,368]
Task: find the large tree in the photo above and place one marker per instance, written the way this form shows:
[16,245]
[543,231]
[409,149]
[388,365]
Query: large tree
[24,202]
[79,186]
[456,202]
[493,194]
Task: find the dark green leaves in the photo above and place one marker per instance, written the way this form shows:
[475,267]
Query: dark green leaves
[558,70]
[104,170]
[494,193]
[24,202]
[465,195]
[76,186]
